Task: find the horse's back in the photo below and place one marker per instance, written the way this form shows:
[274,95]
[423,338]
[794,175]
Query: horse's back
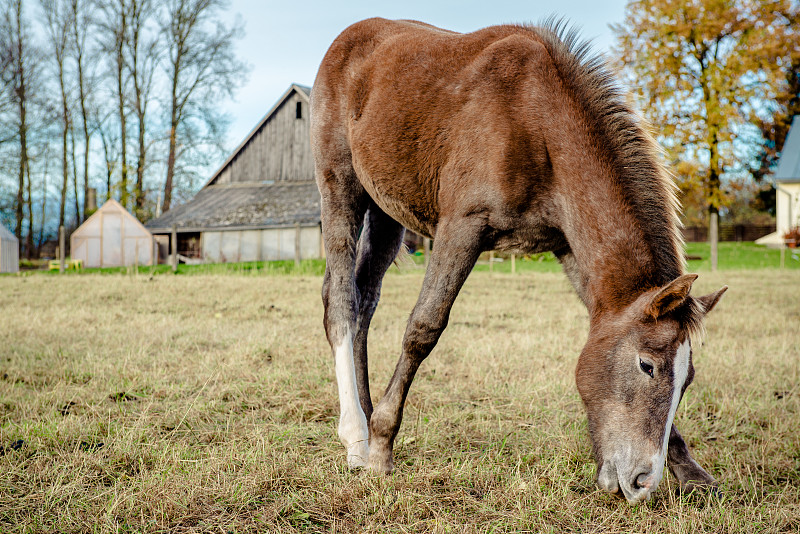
[415,106]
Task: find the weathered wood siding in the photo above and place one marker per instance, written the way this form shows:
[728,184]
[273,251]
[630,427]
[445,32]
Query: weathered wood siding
[279,151]
[261,245]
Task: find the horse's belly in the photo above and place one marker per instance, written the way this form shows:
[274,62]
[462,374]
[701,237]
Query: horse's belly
[401,198]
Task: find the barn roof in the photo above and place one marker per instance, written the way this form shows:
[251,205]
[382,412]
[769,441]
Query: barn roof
[305,93]
[6,235]
[789,165]
[242,205]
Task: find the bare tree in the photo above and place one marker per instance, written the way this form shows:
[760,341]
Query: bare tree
[201,68]
[143,54]
[113,22]
[58,21]
[18,66]
[81,15]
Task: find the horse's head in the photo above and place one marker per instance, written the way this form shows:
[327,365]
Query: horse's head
[631,375]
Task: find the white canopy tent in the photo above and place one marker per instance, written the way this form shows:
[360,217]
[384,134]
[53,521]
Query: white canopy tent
[112,237]
[9,251]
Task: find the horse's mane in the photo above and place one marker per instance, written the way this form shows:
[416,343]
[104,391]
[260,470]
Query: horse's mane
[626,140]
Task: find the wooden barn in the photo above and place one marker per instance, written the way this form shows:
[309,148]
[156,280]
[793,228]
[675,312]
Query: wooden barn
[112,237]
[9,251]
[262,203]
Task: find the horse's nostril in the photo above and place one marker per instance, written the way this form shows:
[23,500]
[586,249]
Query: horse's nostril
[642,481]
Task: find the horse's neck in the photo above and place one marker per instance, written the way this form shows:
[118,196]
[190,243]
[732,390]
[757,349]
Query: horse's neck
[613,260]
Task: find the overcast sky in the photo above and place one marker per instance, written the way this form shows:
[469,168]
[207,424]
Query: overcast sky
[284,40]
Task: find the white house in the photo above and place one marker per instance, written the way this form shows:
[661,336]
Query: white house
[787,186]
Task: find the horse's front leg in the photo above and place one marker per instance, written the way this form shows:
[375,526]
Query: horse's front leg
[344,204]
[457,246]
[681,464]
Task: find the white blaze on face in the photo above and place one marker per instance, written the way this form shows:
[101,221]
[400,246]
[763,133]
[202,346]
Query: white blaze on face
[680,370]
[353,429]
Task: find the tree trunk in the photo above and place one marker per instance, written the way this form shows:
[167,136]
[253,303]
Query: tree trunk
[123,182]
[139,193]
[170,171]
[78,214]
[23,160]
[29,237]
[64,159]
[713,235]
[173,132]
[44,204]
[86,135]
[21,95]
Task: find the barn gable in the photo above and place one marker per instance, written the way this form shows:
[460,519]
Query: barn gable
[278,149]
[263,202]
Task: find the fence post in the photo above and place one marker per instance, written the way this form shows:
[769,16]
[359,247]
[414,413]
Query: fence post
[513,264]
[491,261]
[426,248]
[297,244]
[62,248]
[713,237]
[174,243]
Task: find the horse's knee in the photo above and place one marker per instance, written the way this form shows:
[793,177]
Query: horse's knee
[421,336]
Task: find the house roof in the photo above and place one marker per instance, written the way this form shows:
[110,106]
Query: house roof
[789,165]
[243,205]
[302,90]
[6,235]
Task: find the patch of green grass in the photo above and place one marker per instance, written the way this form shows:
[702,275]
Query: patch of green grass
[283,267]
[741,255]
[732,256]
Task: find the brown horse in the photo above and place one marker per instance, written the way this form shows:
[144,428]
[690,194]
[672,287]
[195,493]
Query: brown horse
[510,138]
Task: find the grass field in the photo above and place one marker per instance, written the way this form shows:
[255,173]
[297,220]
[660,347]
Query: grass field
[207,403]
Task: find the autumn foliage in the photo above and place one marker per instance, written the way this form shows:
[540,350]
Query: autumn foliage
[718,79]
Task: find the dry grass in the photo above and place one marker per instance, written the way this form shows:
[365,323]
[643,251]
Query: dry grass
[207,403]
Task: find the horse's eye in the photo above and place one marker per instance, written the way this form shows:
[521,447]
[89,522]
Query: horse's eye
[646,367]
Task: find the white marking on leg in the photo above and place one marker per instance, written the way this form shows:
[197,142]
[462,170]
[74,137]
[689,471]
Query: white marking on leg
[353,431]
[680,370]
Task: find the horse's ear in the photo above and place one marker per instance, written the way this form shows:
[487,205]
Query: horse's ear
[709,301]
[670,296]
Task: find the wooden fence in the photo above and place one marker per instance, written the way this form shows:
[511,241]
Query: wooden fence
[729,232]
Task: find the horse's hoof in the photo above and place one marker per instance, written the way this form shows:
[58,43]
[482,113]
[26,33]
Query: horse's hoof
[357,456]
[380,464]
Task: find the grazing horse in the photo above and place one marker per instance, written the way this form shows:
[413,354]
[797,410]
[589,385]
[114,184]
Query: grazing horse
[509,138]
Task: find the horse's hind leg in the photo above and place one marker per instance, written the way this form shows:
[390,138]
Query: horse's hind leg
[380,240]
[344,203]
[457,246]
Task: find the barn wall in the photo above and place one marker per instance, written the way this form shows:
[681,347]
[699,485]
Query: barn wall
[260,245]
[280,151]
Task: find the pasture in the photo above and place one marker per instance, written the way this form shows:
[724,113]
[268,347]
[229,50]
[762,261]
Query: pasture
[154,402]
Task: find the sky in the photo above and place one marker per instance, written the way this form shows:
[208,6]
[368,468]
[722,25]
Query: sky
[285,41]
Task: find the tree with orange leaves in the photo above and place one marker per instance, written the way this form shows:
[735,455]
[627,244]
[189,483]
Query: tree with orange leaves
[707,71]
